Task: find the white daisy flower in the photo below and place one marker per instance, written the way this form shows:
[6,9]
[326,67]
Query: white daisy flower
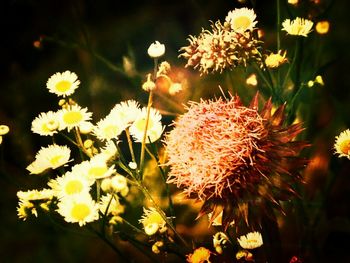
[34,195]
[108,128]
[95,168]
[241,19]
[251,240]
[79,209]
[126,111]
[73,117]
[46,124]
[70,184]
[63,84]
[154,129]
[52,156]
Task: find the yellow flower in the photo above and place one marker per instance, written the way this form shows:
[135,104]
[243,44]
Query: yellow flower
[251,240]
[4,129]
[200,255]
[152,221]
[73,117]
[46,124]
[70,184]
[63,84]
[156,50]
[342,144]
[220,239]
[154,127]
[35,195]
[322,27]
[275,60]
[297,27]
[241,19]
[79,209]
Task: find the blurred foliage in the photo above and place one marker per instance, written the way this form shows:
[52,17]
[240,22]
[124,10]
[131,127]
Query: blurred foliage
[91,38]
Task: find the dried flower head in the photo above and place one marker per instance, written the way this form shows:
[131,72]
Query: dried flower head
[232,157]
[222,47]
[275,60]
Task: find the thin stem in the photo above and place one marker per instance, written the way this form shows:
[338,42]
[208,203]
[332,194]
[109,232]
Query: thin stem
[149,104]
[278,21]
[142,156]
[263,77]
[80,142]
[127,132]
[133,227]
[278,26]
[167,190]
[296,53]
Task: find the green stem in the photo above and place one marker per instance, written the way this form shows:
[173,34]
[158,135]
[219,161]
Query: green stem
[278,21]
[296,54]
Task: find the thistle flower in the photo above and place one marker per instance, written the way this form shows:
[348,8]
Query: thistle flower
[234,158]
[221,48]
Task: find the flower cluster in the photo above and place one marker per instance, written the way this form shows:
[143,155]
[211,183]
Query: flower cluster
[73,193]
[227,45]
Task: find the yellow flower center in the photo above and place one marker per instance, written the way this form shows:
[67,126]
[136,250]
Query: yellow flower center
[72,117]
[73,187]
[63,86]
[242,22]
[141,124]
[80,211]
[345,147]
[55,160]
[111,131]
[97,172]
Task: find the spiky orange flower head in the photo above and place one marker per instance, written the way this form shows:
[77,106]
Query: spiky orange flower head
[234,158]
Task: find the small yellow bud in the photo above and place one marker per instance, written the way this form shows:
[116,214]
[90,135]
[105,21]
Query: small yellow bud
[151,229]
[0,139]
[156,50]
[88,143]
[252,80]
[319,80]
[4,129]
[149,84]
[61,102]
[293,2]
[86,127]
[310,83]
[106,185]
[322,27]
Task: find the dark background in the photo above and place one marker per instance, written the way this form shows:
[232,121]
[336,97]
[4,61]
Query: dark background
[73,31]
